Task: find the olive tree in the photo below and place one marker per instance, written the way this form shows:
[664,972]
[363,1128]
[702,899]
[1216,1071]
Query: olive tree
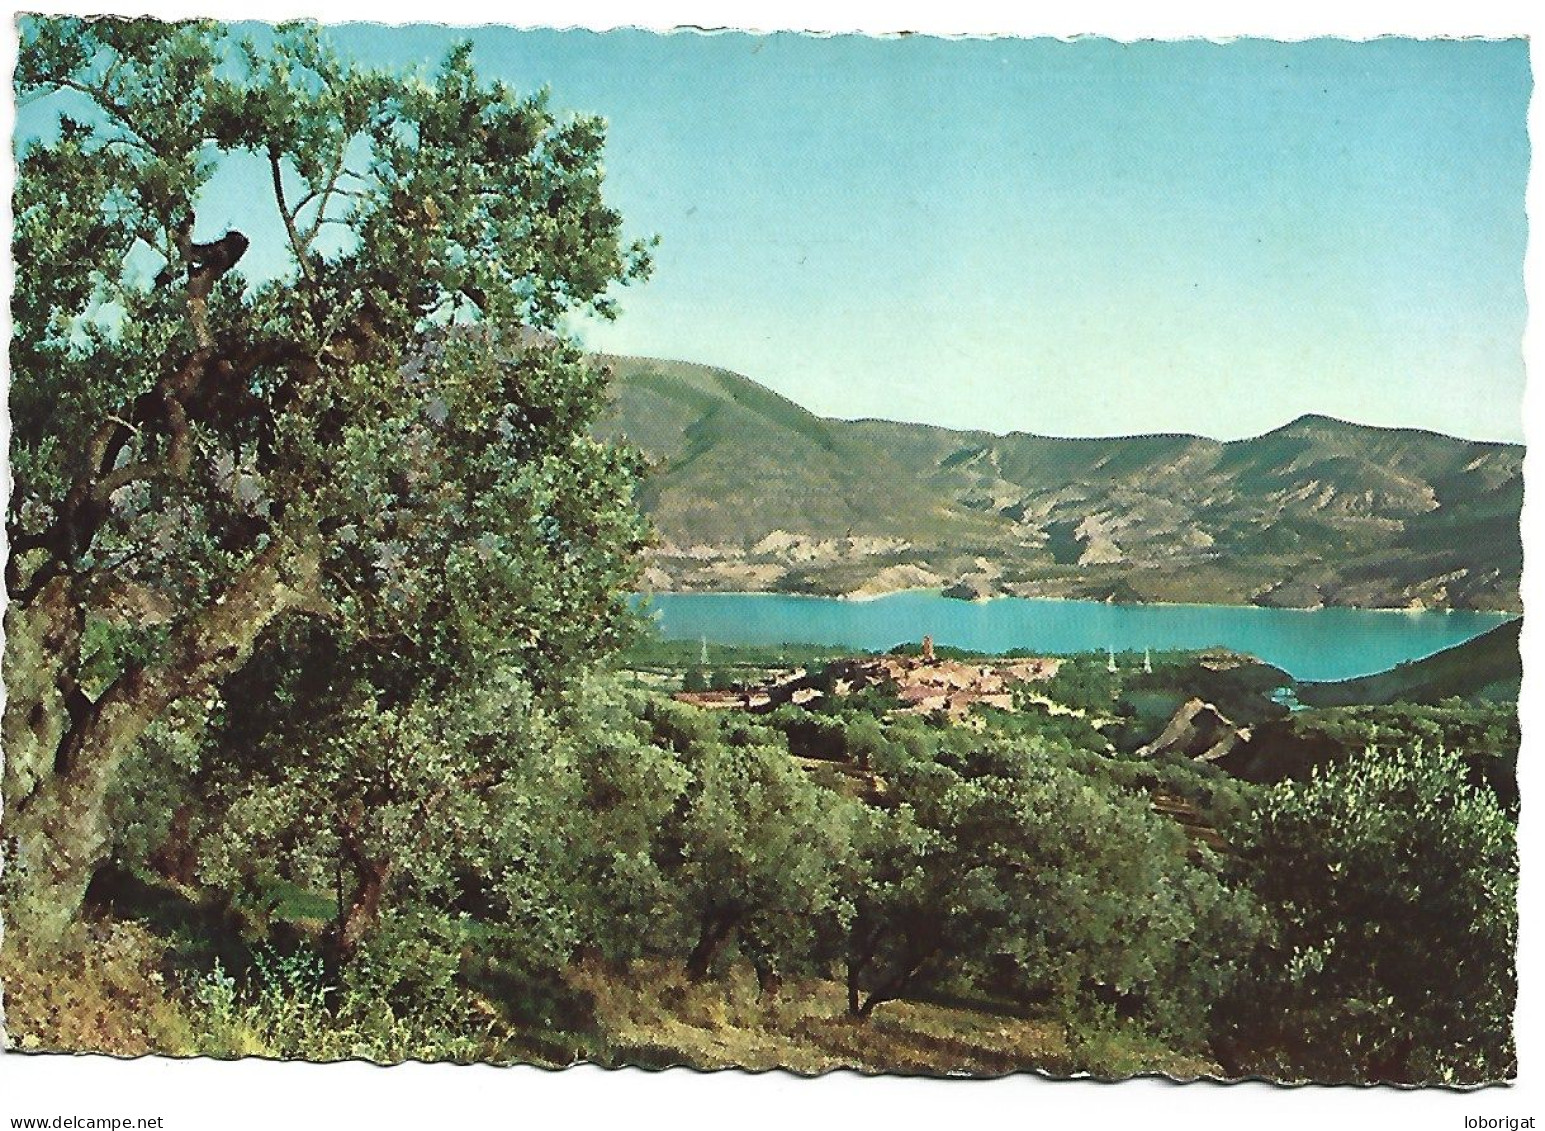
[995,863]
[753,850]
[1392,883]
[387,436]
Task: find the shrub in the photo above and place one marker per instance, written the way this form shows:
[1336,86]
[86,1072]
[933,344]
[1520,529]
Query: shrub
[1392,884]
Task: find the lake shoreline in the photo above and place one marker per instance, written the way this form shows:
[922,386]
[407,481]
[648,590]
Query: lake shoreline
[1325,644]
[858,598]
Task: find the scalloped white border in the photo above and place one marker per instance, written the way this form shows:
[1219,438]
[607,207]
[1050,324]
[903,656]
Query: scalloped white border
[266,1095]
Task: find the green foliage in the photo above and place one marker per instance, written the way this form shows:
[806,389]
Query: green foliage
[448,171]
[1032,720]
[1393,887]
[940,651]
[1003,865]
[288,1006]
[389,437]
[1084,683]
[1485,735]
[841,731]
[629,787]
[997,867]
[649,652]
[753,848]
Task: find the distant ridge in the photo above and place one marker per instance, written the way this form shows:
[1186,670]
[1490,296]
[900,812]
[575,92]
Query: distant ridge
[750,491]
[1304,423]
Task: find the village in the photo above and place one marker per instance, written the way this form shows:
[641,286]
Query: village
[923,684]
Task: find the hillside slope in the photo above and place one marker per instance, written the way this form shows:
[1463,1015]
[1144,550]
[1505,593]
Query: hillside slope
[749,491]
[1488,668]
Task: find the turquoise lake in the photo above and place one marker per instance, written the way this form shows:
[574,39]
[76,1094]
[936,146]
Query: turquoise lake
[1309,645]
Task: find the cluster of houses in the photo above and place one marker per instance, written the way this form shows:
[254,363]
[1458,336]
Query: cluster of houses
[922,684]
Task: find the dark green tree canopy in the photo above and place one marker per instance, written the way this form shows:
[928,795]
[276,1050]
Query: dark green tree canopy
[389,432]
[406,203]
[1393,884]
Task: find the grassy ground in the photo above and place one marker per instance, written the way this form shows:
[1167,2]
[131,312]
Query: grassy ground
[114,987]
[104,990]
[652,1014]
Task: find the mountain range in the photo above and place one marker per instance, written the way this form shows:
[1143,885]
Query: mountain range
[750,492]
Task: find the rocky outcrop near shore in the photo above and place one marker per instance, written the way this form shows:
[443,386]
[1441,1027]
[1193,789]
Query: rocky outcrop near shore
[1198,731]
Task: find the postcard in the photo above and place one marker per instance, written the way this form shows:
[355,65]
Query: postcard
[932,556]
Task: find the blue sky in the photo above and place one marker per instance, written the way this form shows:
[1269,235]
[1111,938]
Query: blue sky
[1074,238]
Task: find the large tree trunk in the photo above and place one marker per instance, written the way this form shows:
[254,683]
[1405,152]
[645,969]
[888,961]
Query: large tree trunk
[56,832]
